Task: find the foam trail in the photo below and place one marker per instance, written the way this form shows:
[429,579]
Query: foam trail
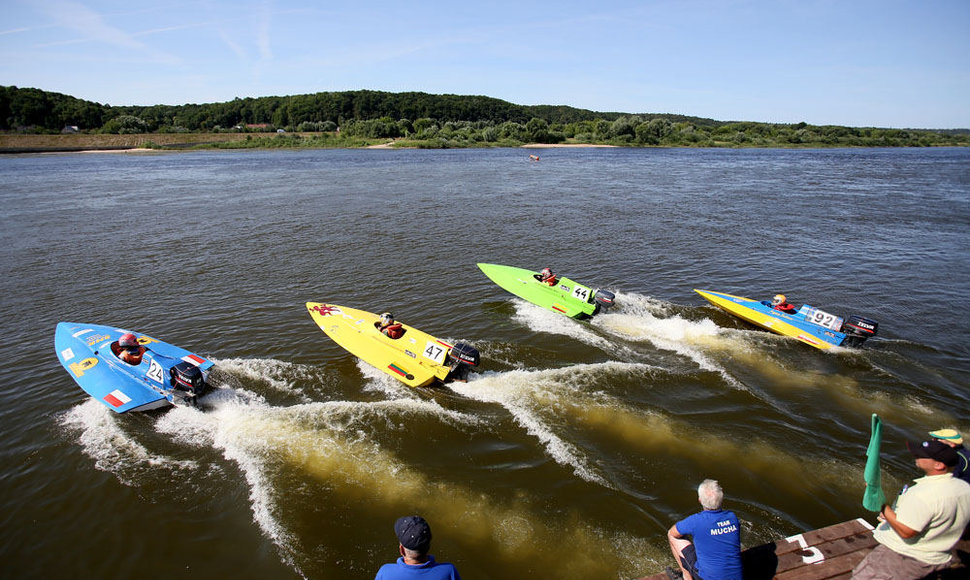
[330,442]
[277,375]
[542,320]
[641,318]
[112,449]
[654,433]
[523,392]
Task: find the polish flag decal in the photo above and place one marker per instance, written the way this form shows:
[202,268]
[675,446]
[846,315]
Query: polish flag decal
[116,398]
[194,359]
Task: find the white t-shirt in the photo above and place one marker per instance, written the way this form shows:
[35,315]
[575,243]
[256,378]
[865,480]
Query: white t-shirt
[938,507]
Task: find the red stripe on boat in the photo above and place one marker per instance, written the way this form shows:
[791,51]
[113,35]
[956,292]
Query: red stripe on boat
[397,369]
[558,309]
[112,400]
[195,359]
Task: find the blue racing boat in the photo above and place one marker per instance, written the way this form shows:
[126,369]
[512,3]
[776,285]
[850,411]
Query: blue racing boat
[128,371]
[808,324]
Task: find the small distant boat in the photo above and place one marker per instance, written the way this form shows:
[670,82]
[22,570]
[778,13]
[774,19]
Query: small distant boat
[808,324]
[167,375]
[565,296]
[416,358]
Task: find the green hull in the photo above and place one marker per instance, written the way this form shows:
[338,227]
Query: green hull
[566,297]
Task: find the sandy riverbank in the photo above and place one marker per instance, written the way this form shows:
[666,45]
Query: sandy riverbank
[561,145]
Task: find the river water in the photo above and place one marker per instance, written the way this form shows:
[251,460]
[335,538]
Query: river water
[575,445]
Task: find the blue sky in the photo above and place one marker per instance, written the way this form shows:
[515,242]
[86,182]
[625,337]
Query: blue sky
[859,63]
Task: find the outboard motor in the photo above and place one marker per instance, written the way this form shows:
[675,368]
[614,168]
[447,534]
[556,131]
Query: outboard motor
[463,358]
[857,329]
[603,299]
[188,378]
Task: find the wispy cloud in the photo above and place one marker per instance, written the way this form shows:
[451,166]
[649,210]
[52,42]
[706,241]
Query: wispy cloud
[263,27]
[90,26]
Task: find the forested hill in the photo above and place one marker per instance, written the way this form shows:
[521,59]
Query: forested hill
[34,108]
[432,121]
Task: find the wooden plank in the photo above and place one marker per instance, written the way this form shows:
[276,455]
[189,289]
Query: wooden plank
[838,567]
[826,534]
[827,551]
[834,542]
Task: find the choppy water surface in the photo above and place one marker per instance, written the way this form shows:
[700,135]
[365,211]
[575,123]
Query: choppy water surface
[576,446]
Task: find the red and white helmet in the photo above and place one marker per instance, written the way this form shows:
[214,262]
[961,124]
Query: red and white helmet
[546,272]
[128,341]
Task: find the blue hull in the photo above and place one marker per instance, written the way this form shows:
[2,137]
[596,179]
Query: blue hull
[809,325]
[84,350]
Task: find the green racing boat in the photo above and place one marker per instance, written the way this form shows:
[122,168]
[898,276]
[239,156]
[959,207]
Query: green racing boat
[564,296]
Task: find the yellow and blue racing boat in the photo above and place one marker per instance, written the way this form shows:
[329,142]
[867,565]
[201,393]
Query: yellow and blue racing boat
[808,324]
[416,358]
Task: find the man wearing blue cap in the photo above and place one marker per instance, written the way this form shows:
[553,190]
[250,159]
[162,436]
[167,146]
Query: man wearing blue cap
[414,541]
[915,537]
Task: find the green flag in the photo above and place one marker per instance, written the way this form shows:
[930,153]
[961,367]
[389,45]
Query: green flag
[874,497]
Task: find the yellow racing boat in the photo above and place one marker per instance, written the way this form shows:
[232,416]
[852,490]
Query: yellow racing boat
[416,358]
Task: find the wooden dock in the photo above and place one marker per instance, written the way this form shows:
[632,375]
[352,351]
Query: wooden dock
[824,554]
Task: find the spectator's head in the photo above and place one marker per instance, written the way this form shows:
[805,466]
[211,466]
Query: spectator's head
[938,456]
[710,494]
[414,535]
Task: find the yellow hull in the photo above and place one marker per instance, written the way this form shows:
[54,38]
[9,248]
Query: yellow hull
[416,358]
[773,320]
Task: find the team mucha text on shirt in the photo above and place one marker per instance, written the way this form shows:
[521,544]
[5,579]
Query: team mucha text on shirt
[725,527]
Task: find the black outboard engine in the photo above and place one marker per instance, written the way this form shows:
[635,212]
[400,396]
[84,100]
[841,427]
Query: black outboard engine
[463,358]
[187,378]
[857,329]
[603,299]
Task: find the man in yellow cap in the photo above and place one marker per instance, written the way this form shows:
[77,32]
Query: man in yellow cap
[952,438]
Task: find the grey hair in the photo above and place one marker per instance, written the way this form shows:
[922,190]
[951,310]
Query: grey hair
[710,494]
[414,554]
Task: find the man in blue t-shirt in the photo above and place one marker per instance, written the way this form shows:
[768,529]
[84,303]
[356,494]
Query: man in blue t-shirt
[414,541]
[715,553]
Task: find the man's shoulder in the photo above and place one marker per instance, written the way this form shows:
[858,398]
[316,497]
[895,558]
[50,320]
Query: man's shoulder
[431,569]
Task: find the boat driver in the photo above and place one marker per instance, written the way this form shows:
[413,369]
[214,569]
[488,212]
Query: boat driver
[390,328]
[129,350]
[547,277]
[780,303]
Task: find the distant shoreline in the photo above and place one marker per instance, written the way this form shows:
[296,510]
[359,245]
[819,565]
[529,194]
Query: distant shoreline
[141,143]
[12,144]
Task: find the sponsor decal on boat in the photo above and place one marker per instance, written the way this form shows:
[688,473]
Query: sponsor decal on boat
[326,310]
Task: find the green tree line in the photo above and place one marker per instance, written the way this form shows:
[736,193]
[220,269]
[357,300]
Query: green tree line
[425,120]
